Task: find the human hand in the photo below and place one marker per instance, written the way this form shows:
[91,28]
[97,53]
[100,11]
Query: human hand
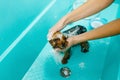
[57,27]
[53,30]
[70,44]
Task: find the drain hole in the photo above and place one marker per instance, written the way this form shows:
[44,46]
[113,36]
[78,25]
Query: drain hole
[65,72]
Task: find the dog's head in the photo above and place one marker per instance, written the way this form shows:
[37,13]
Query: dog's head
[58,40]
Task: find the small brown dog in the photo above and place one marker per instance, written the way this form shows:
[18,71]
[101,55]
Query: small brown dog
[59,40]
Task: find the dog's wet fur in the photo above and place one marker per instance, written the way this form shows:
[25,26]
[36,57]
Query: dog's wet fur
[59,40]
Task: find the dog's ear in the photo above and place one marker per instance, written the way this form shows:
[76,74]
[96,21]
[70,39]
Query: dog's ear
[51,42]
[64,37]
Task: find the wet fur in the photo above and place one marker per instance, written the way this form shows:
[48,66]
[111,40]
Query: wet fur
[59,40]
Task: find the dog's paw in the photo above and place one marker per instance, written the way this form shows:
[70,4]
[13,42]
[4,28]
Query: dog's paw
[84,47]
[84,50]
[64,61]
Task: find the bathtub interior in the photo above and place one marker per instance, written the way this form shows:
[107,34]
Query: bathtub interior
[98,64]
[111,69]
[112,62]
[23,35]
[16,18]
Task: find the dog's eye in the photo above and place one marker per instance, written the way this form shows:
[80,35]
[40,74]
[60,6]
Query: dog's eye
[57,39]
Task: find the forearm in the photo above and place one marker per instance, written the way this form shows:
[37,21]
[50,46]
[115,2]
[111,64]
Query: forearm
[110,29]
[89,8]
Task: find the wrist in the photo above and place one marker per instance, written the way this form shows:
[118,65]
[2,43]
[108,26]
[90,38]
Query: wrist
[71,41]
[76,39]
[66,20]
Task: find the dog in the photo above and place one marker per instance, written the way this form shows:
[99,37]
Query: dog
[59,40]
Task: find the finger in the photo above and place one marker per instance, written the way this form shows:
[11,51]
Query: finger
[58,50]
[49,36]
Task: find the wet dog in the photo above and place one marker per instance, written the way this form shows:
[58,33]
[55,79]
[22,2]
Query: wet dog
[59,40]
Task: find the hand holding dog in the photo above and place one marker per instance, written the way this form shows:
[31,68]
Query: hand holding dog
[70,44]
[57,27]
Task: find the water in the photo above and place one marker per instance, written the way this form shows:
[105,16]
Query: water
[31,57]
[20,57]
[90,66]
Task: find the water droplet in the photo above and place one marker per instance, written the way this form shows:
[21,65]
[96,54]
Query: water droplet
[82,65]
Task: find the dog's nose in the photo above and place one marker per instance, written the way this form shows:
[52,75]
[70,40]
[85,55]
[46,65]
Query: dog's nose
[63,45]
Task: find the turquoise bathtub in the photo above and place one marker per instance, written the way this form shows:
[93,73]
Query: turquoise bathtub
[25,53]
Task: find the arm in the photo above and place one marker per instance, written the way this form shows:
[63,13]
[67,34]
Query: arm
[89,8]
[110,29]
